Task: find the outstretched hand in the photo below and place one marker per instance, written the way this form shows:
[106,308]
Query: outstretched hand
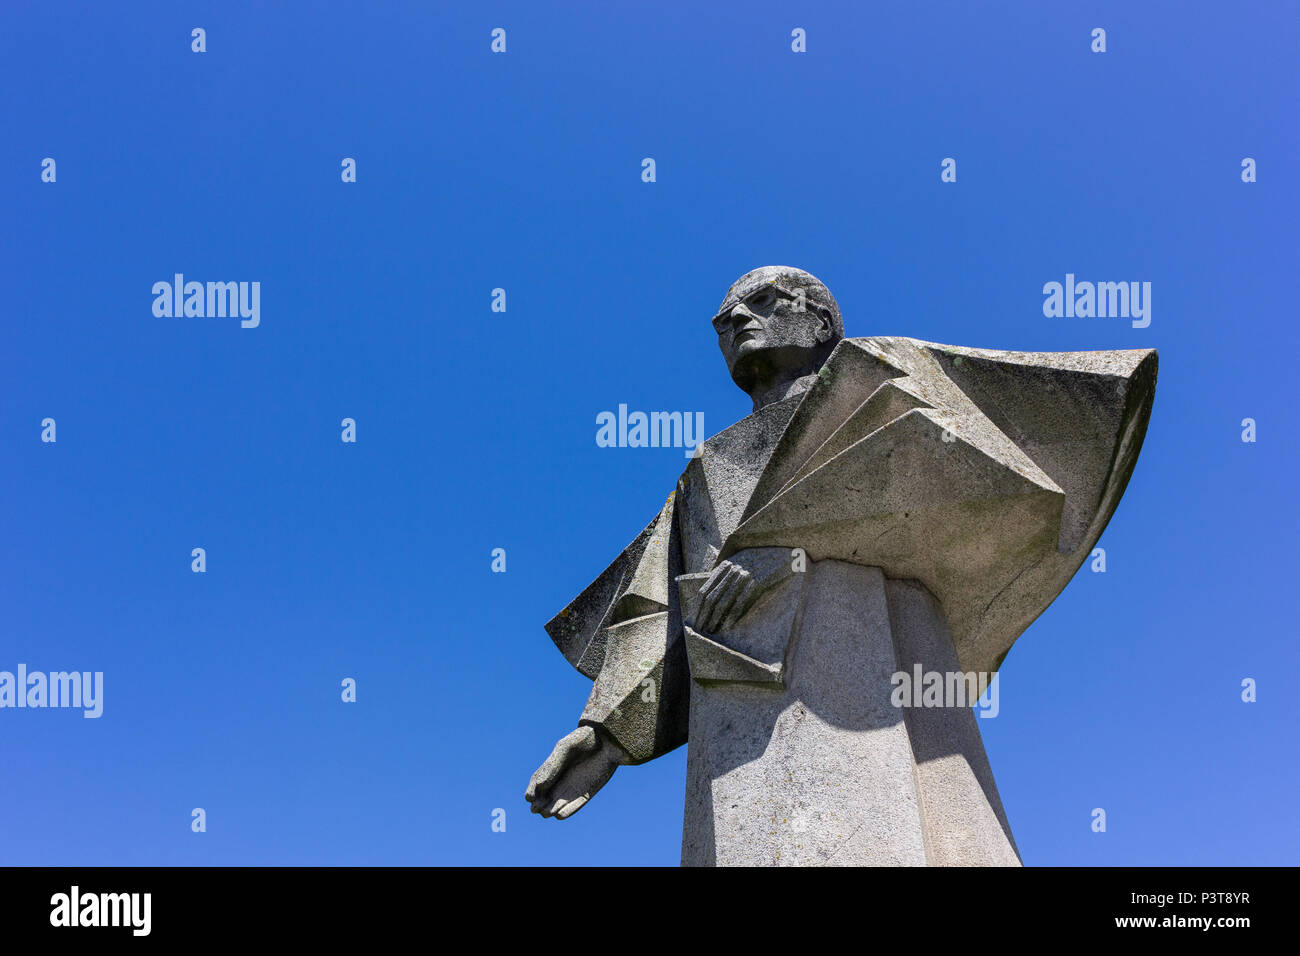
[581,763]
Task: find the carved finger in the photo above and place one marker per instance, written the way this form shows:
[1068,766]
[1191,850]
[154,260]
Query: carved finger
[746,600]
[722,595]
[735,587]
[540,783]
[568,809]
[545,776]
[713,580]
[706,596]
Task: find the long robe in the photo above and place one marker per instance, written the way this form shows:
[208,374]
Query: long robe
[940,498]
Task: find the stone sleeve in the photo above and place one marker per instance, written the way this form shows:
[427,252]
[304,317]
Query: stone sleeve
[641,694]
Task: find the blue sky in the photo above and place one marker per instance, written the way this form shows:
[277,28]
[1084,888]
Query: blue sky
[476,429]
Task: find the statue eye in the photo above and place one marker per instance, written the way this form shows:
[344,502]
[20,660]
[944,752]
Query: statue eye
[761,299]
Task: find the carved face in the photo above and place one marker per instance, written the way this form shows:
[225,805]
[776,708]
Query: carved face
[766,324]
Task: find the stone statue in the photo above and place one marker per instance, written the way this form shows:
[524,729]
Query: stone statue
[891,507]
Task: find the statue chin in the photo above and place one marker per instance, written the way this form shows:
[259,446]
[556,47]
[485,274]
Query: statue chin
[747,368]
[758,368]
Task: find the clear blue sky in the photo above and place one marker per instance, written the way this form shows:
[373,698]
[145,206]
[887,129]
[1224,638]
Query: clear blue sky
[476,429]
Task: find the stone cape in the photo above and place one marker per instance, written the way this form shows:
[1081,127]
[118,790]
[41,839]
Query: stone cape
[943,498]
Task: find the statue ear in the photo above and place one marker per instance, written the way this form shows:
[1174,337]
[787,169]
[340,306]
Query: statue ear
[824,328]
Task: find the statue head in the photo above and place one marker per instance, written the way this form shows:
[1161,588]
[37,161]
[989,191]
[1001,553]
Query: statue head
[776,325]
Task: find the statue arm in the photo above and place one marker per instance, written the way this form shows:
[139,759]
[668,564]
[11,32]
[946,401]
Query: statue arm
[639,702]
[640,697]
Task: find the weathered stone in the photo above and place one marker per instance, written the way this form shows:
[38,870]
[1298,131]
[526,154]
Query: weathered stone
[891,507]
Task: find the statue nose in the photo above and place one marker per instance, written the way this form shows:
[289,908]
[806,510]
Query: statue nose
[742,318]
